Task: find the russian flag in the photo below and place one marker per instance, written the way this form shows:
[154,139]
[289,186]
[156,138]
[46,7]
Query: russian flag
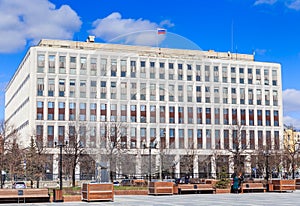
[161,31]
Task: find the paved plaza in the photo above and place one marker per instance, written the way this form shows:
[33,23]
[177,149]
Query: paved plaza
[248,199]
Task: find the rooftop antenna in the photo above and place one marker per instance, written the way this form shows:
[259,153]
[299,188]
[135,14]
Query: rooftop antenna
[232,36]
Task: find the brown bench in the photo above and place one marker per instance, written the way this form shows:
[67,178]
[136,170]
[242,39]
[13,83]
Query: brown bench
[160,188]
[24,195]
[97,192]
[297,184]
[253,187]
[284,185]
[196,188]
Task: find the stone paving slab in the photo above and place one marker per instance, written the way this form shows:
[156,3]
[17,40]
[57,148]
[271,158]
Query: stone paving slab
[247,199]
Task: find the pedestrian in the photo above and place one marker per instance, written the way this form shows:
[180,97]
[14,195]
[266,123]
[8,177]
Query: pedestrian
[235,185]
[241,179]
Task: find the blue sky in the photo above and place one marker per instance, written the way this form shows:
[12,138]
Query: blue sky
[271,28]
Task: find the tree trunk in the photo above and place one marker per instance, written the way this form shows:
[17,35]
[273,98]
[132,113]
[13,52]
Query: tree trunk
[73,177]
[111,176]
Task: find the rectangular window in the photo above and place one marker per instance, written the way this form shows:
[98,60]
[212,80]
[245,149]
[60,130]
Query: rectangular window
[93,112]
[217,139]
[72,65]
[133,69]
[61,89]
[83,65]
[51,110]
[199,115]
[208,139]
[133,113]
[40,87]
[40,63]
[172,114]
[143,114]
[252,140]
[72,111]
[181,138]
[217,115]
[259,117]
[50,136]
[276,118]
[113,68]
[268,118]
[226,139]
[234,116]
[40,110]
[61,110]
[190,115]
[199,139]
[62,64]
[51,64]
[162,114]
[93,66]
[82,112]
[207,73]
[180,115]
[123,113]
[226,116]
[208,115]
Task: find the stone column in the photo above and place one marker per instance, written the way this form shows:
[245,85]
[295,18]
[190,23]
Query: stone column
[177,167]
[248,164]
[213,166]
[55,167]
[195,169]
[231,164]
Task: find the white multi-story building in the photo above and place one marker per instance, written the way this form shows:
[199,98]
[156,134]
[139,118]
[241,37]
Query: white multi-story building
[193,103]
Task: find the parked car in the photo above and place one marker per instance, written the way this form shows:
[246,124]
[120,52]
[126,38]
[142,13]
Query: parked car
[19,185]
[126,182]
[116,183]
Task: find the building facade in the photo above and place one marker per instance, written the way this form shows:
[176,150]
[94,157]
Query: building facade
[194,104]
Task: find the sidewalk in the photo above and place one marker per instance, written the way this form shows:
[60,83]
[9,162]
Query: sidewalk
[247,199]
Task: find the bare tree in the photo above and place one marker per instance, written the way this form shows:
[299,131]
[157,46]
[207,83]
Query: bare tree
[35,161]
[291,151]
[238,150]
[74,149]
[15,160]
[115,144]
[11,155]
[187,160]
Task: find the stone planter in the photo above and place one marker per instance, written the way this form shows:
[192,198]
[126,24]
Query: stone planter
[97,192]
[131,192]
[222,191]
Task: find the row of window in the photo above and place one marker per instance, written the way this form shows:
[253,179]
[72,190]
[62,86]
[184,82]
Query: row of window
[175,139]
[154,114]
[120,68]
[154,92]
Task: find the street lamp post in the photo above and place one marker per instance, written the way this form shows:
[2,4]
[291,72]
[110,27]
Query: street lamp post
[150,148]
[267,155]
[60,145]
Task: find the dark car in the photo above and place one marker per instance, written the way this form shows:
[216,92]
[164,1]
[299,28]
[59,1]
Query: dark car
[19,185]
[126,182]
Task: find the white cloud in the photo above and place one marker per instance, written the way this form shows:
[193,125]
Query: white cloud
[291,100]
[260,51]
[291,121]
[291,107]
[166,23]
[23,21]
[131,31]
[271,2]
[295,5]
[291,4]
